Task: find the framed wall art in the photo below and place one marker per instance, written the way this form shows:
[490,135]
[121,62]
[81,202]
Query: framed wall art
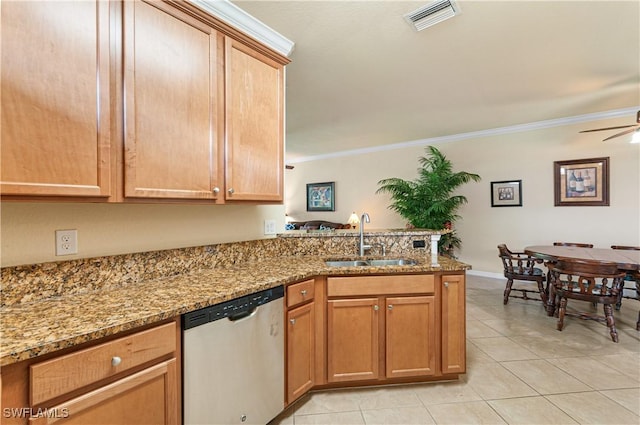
[581,182]
[321,196]
[507,193]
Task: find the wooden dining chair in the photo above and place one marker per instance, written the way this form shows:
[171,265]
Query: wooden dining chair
[631,288]
[520,266]
[594,282]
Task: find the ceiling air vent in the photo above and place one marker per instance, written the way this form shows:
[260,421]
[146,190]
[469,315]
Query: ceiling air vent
[432,13]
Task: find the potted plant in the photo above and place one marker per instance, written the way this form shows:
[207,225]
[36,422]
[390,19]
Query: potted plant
[428,202]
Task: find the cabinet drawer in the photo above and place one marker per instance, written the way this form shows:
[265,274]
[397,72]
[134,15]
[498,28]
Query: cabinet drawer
[299,293]
[379,285]
[61,375]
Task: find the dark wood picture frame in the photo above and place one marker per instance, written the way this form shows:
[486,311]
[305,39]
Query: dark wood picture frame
[321,196]
[506,193]
[581,182]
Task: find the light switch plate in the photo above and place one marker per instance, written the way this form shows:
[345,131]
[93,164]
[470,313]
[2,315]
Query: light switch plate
[269,227]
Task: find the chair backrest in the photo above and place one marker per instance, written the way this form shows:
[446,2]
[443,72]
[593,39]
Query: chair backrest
[587,277]
[515,263]
[581,245]
[628,248]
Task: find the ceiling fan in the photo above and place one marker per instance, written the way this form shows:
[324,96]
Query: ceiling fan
[636,127]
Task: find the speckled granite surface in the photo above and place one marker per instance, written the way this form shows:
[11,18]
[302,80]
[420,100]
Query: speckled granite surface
[79,301]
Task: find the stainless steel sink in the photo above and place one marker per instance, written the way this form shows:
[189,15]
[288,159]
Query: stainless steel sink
[349,263]
[373,263]
[393,262]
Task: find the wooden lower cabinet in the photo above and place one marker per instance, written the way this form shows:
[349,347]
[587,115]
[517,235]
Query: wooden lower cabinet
[149,397]
[131,379]
[300,351]
[410,336]
[453,324]
[352,339]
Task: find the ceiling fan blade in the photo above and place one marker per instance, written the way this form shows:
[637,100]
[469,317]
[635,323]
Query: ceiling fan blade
[622,133]
[608,128]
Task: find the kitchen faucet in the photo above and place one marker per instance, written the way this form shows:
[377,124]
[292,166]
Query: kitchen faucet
[364,219]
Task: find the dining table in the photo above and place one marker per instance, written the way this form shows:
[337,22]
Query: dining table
[626,260]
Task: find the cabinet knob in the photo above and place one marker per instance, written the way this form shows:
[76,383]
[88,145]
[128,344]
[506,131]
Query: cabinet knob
[303,292]
[216,190]
[446,284]
[292,321]
[231,191]
[390,306]
[115,361]
[376,308]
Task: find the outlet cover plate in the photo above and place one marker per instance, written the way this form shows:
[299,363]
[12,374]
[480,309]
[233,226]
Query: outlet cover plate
[269,227]
[66,242]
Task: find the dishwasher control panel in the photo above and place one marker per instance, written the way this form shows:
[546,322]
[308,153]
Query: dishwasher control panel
[230,309]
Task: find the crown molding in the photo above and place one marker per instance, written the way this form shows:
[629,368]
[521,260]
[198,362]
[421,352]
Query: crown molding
[241,20]
[557,122]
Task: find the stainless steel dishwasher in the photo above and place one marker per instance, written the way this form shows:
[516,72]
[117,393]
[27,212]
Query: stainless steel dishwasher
[233,361]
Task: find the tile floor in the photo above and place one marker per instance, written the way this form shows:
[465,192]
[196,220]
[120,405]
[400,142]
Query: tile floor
[520,370]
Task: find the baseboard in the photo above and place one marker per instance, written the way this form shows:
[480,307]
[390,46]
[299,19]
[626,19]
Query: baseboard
[485,274]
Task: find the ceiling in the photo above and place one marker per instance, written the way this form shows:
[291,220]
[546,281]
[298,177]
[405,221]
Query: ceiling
[361,77]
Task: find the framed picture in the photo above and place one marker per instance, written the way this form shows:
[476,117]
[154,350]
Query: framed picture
[581,182]
[506,193]
[321,196]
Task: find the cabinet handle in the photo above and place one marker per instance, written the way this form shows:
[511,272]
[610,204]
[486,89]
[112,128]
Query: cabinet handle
[446,284]
[292,321]
[390,307]
[115,361]
[376,308]
[231,191]
[216,190]
[303,292]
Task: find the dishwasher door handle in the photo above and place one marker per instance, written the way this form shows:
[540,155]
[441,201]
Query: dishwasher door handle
[243,315]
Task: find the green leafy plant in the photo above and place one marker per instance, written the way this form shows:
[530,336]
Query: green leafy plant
[428,202]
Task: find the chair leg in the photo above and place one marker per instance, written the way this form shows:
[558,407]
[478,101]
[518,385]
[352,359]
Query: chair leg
[611,323]
[507,291]
[638,322]
[551,297]
[619,303]
[561,310]
[543,294]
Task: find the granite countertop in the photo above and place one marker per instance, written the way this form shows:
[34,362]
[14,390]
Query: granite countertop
[32,329]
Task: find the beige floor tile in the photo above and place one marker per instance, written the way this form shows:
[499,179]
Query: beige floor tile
[399,415]
[476,356]
[629,398]
[545,378]
[493,381]
[626,363]
[530,410]
[546,347]
[475,412]
[593,408]
[382,398]
[591,372]
[511,327]
[341,418]
[450,392]
[503,349]
[477,329]
[329,402]
[285,418]
[477,312]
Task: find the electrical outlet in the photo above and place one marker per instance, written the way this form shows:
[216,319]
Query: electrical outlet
[66,242]
[269,227]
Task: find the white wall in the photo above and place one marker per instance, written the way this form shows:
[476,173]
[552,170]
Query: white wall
[28,229]
[526,156]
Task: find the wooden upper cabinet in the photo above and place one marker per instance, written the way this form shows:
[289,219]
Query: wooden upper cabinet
[254,111]
[172,127]
[56,99]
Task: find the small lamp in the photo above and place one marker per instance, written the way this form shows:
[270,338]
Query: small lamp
[353,220]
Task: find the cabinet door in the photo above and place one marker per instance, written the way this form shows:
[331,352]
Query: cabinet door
[453,324]
[410,336]
[56,99]
[171,104]
[149,396]
[300,351]
[352,339]
[254,108]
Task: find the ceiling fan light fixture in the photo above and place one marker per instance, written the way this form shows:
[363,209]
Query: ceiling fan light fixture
[432,13]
